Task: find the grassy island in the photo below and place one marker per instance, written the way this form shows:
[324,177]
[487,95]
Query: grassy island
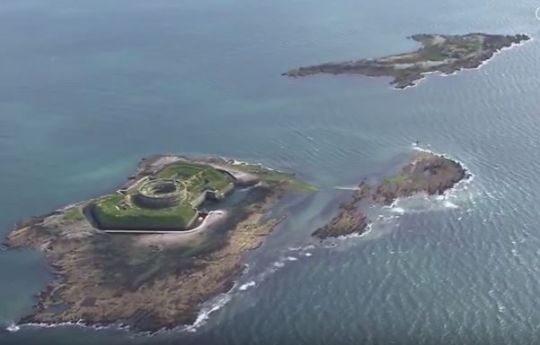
[438,53]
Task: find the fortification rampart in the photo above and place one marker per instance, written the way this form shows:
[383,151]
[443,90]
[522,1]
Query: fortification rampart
[212,195]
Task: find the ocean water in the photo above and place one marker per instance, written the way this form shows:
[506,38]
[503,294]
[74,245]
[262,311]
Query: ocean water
[89,87]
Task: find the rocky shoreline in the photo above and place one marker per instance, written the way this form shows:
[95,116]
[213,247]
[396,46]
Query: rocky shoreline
[144,282]
[425,173]
[446,54]
[349,219]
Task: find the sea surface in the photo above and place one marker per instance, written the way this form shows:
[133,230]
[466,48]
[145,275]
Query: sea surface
[87,87]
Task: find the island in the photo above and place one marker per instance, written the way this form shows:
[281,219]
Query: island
[149,254]
[446,54]
[426,173]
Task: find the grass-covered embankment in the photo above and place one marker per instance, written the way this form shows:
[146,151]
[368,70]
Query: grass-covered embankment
[109,214]
[275,176]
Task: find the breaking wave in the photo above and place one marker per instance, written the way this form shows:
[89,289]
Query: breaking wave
[213,306]
[247,285]
[13,327]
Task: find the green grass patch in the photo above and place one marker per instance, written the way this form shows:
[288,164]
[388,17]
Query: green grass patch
[432,54]
[292,180]
[73,215]
[114,212]
[198,176]
[277,176]
[111,215]
[180,170]
[473,45]
[394,179]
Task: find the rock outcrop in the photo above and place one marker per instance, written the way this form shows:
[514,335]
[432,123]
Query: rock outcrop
[426,173]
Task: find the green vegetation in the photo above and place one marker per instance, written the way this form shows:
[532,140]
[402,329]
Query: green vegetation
[73,215]
[432,54]
[274,176]
[118,211]
[114,212]
[198,177]
[473,45]
[397,179]
[181,170]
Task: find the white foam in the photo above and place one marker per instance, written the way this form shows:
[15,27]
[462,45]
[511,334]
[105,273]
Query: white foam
[368,230]
[212,306]
[449,204]
[483,63]
[13,327]
[392,205]
[461,184]
[396,209]
[261,165]
[238,162]
[204,314]
[421,149]
[301,248]
[283,260]
[422,202]
[223,299]
[418,203]
[79,323]
[53,325]
[279,264]
[346,188]
[247,285]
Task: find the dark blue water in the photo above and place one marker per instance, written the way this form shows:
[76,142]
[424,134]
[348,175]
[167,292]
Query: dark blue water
[89,87]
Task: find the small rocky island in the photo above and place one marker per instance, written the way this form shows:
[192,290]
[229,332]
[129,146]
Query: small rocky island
[147,255]
[438,53]
[425,173]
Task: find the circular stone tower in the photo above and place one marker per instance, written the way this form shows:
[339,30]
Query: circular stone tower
[160,193]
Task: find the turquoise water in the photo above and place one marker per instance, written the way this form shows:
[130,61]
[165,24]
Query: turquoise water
[89,87]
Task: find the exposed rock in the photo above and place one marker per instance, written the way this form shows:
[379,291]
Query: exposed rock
[426,173]
[349,220]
